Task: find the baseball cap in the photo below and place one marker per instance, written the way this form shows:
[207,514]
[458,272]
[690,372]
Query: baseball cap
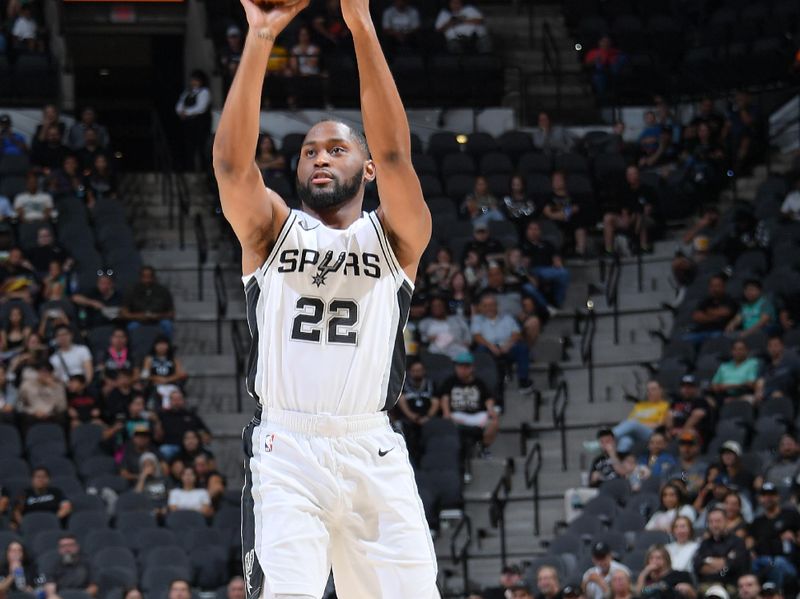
[464,358]
[768,488]
[731,446]
[769,588]
[688,379]
[600,549]
[717,590]
[570,591]
[688,437]
[233,30]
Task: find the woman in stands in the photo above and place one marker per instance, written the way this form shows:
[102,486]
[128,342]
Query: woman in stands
[189,497]
[658,579]
[441,270]
[620,585]
[683,547]
[133,593]
[518,205]
[191,447]
[460,297]
[102,179]
[17,569]
[270,162]
[480,205]
[14,335]
[474,268]
[162,370]
[117,356]
[673,504]
[735,523]
[23,365]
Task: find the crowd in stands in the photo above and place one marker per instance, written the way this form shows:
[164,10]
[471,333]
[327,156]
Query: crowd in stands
[107,483]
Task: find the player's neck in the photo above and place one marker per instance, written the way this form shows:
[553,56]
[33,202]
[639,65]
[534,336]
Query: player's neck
[340,216]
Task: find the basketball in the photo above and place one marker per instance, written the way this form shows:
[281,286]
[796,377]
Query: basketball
[268,4]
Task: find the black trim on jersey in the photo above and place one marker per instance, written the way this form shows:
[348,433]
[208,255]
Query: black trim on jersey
[253,574]
[389,261]
[252,292]
[284,232]
[397,374]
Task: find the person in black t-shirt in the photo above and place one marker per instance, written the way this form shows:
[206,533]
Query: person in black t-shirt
[175,421]
[546,266]
[72,571]
[691,411]
[631,213]
[488,248]
[416,406]
[99,306]
[658,580]
[712,313]
[773,538]
[606,466]
[84,405]
[41,497]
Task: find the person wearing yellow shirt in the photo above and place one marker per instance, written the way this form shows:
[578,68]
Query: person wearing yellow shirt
[645,417]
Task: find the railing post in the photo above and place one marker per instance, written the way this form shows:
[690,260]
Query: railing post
[639,271]
[532,482]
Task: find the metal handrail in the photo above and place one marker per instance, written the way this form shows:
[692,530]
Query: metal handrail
[612,293]
[532,481]
[222,303]
[560,401]
[202,251]
[551,58]
[239,353]
[588,329]
[461,556]
[497,507]
[173,184]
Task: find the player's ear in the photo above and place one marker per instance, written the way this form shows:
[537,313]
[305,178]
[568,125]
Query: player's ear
[369,170]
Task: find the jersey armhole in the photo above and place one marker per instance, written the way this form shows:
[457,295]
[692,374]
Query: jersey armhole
[387,249]
[283,233]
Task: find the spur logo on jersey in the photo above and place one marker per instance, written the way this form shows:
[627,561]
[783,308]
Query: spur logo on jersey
[321,265]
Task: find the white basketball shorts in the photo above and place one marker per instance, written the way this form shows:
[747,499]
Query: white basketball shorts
[326,492]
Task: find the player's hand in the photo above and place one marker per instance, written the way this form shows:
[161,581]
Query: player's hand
[274,20]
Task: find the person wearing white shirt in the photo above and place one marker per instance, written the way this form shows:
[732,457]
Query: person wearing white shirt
[33,205]
[188,497]
[24,30]
[682,549]
[400,24]
[194,110]
[596,580]
[791,205]
[462,26]
[70,359]
[673,504]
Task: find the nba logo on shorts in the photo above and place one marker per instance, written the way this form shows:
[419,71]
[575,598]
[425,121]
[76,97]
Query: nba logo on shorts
[268,442]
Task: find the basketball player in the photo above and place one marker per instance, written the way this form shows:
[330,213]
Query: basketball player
[328,290]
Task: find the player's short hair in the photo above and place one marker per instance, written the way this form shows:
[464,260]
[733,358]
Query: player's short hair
[355,134]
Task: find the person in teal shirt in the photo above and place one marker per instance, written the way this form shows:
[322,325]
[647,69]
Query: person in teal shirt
[736,379]
[755,314]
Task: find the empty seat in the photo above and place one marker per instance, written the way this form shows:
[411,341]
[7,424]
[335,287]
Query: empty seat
[479,144]
[571,162]
[85,440]
[424,164]
[44,433]
[130,501]
[36,522]
[87,503]
[100,539]
[115,577]
[46,540]
[13,467]
[135,522]
[496,163]
[152,537]
[69,485]
[184,519]
[81,523]
[535,162]
[108,481]
[515,143]
[602,506]
[10,442]
[442,143]
[173,555]
[55,463]
[458,163]
[209,566]
[94,466]
[647,538]
[114,557]
[458,186]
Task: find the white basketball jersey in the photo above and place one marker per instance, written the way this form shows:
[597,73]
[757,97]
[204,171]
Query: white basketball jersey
[326,313]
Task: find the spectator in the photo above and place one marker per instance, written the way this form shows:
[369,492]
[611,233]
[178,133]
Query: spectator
[645,417]
[84,404]
[547,268]
[18,573]
[521,590]
[401,23]
[658,460]
[691,411]
[140,443]
[305,55]
[467,401]
[566,213]
[88,120]
[481,205]
[606,466]
[744,126]
[748,235]
[72,572]
[703,162]
[733,472]
[463,28]
[25,31]
[604,62]
[769,590]
[773,537]
[191,447]
[11,142]
[748,586]
[231,54]
[708,115]
[756,313]
[43,398]
[23,365]
[683,546]
[50,118]
[441,270]
[444,333]
[194,110]
[329,26]
[783,469]
[509,577]
[188,496]
[47,250]
[633,214]
[270,162]
[176,420]
[68,180]
[19,282]
[736,379]
[721,557]
[713,313]
[41,497]
[659,580]
[33,205]
[102,180]
[180,589]
[549,138]
[90,151]
[649,137]
[500,337]
[70,359]
[519,207]
[735,523]
[138,415]
[149,302]
[488,248]
[117,356]
[780,375]
[15,332]
[460,296]
[696,243]
[236,588]
[547,583]
[101,305]
[49,155]
[673,504]
[690,468]
[597,579]
[790,209]
[152,483]
[620,585]
[8,403]
[162,370]
[57,311]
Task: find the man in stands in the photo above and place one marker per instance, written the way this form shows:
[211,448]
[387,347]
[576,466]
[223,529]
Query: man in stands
[101,304]
[606,466]
[632,214]
[70,359]
[546,266]
[550,138]
[722,556]
[773,538]
[231,54]
[401,24]
[784,468]
[33,205]
[748,586]
[521,590]
[690,468]
[149,302]
[47,250]
[509,577]
[487,247]
[596,579]
[780,376]
[417,405]
[463,28]
[91,149]
[547,583]
[657,459]
[713,313]
[235,588]
[736,378]
[756,312]
[180,589]
[42,398]
[11,142]
[500,337]
[468,402]
[140,443]
[77,133]
[175,421]
[49,156]
[691,411]
[72,572]
[41,497]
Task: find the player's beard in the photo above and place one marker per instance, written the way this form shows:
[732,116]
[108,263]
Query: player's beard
[324,199]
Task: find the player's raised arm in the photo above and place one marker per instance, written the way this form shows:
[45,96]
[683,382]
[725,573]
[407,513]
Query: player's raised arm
[255,212]
[403,210]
